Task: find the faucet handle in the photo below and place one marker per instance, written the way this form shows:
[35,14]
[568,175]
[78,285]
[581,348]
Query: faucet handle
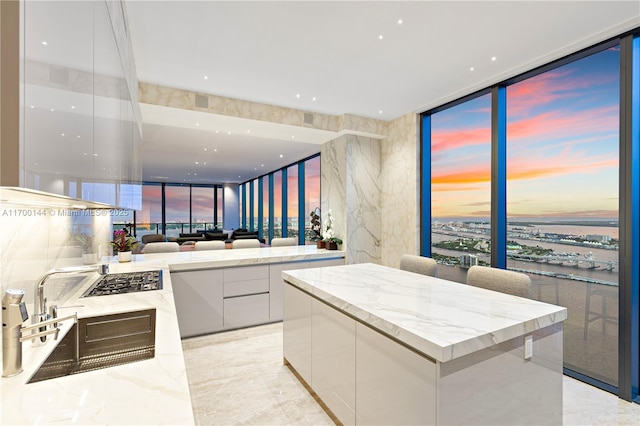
[53,313]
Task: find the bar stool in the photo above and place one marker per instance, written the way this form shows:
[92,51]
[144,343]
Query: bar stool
[605,293]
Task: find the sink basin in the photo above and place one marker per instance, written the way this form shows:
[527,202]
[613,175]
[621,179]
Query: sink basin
[101,341]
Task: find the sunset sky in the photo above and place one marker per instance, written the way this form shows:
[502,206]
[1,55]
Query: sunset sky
[562,146]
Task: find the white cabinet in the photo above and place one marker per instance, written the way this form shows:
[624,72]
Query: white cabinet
[246,310]
[361,375]
[199,301]
[395,384]
[333,358]
[246,296]
[297,331]
[79,128]
[275,281]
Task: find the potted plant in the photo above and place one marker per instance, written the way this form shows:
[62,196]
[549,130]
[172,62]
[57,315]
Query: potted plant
[123,243]
[328,234]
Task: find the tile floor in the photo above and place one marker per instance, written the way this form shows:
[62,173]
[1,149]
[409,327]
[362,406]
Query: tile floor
[237,377]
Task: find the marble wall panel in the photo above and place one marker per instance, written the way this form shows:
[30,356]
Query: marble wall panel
[351,189]
[35,240]
[364,227]
[333,185]
[399,190]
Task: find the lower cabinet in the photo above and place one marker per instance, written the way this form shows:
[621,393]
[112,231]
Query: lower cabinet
[297,331]
[333,361]
[244,311]
[198,298]
[361,375]
[212,300]
[395,385]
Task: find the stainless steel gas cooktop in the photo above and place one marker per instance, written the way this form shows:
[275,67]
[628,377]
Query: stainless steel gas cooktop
[128,282]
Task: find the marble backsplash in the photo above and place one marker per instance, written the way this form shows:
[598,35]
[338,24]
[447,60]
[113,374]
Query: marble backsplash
[34,240]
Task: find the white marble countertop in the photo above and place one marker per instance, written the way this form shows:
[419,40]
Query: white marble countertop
[154,391]
[442,319]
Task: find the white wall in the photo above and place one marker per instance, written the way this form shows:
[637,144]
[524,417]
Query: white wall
[231,201]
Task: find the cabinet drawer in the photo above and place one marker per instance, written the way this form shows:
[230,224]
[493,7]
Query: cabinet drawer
[239,288]
[246,310]
[246,273]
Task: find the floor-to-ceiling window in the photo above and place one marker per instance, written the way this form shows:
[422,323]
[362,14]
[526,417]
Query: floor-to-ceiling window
[555,196]
[292,201]
[202,208]
[277,203]
[177,210]
[149,219]
[311,193]
[461,187]
[562,201]
[219,207]
[256,201]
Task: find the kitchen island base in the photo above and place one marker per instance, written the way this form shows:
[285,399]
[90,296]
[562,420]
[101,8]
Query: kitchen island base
[365,376]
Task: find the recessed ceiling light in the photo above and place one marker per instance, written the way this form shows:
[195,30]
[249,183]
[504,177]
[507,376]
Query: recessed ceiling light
[400,21]
[215,150]
[471,69]
[255,168]
[205,149]
[493,58]
[228,133]
[216,131]
[380,37]
[52,109]
[85,153]
[95,155]
[205,163]
[293,137]
[314,98]
[380,112]
[44,43]
[195,174]
[31,106]
[281,155]
[206,77]
[248,131]
[298,95]
[197,162]
[61,134]
[78,136]
[197,124]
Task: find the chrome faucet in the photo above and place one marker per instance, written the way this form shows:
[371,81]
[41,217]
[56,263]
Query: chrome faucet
[14,314]
[40,313]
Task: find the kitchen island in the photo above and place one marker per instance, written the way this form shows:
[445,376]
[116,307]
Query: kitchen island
[378,345]
[153,391]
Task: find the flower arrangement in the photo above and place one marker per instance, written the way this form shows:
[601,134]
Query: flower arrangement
[328,234]
[122,241]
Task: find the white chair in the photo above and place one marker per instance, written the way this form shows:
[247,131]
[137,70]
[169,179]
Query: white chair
[281,242]
[209,245]
[418,264]
[248,243]
[161,247]
[501,280]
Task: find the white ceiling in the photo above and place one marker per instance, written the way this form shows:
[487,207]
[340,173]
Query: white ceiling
[270,52]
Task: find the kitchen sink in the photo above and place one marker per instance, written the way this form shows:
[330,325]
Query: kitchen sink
[101,341]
